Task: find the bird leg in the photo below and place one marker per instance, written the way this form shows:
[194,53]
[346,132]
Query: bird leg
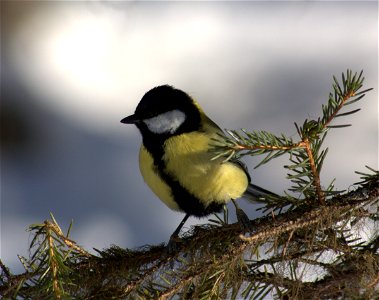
[172,245]
[242,218]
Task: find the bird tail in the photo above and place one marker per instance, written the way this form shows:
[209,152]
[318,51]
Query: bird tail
[257,194]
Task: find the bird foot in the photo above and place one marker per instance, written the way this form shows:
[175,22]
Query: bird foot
[173,245]
[243,219]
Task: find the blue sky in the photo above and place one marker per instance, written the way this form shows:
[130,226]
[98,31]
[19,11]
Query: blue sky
[73,70]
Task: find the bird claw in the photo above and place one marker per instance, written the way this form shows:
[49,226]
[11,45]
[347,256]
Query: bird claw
[173,245]
[243,219]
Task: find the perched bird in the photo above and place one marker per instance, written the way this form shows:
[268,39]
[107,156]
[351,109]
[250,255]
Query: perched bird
[175,161]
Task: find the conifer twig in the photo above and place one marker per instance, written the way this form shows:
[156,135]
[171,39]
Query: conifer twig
[306,155]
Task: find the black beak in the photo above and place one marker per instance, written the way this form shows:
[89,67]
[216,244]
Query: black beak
[133,119]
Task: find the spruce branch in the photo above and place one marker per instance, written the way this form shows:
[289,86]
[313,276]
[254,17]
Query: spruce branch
[48,268]
[217,261]
[345,95]
[368,178]
[306,154]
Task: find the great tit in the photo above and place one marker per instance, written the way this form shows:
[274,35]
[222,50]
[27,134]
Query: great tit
[175,161]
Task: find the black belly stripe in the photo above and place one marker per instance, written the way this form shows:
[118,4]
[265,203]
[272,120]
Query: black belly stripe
[186,200]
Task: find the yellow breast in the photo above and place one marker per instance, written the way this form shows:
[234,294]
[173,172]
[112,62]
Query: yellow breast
[153,180]
[187,159]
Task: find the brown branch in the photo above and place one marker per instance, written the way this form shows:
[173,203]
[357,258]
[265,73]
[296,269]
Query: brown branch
[374,282]
[326,288]
[287,244]
[183,282]
[239,147]
[209,250]
[187,279]
[316,176]
[305,144]
[131,287]
[349,94]
[53,265]
[69,243]
[315,216]
[5,270]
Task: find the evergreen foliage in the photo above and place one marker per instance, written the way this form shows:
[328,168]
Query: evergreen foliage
[314,242]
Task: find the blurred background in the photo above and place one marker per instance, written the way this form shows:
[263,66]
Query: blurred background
[70,71]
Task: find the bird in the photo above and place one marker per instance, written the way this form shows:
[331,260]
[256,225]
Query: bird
[175,161]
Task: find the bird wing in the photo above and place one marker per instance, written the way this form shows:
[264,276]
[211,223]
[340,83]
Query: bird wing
[253,193]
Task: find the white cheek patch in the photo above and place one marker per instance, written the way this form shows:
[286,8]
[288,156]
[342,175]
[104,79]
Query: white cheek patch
[167,122]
